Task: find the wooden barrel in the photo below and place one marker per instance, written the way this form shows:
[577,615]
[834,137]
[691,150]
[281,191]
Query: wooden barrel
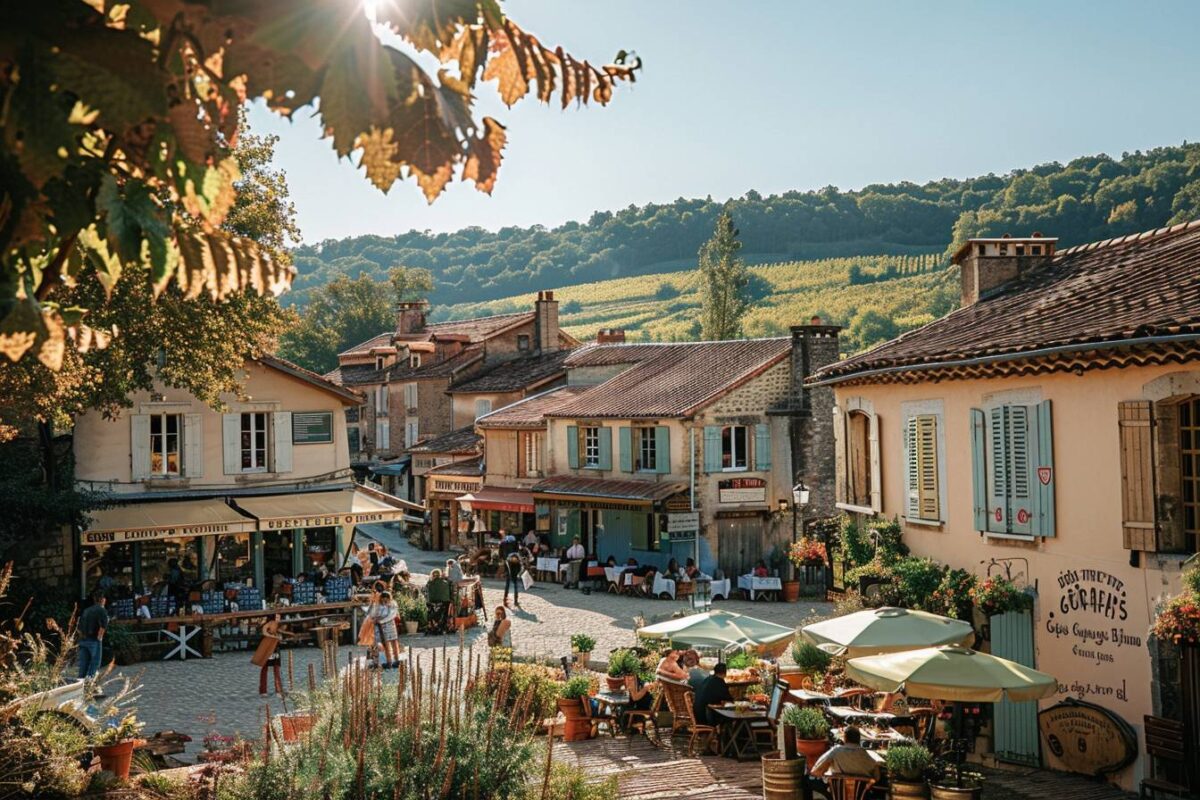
[908,790]
[783,779]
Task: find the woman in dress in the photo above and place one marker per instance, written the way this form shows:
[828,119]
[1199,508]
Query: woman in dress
[501,633]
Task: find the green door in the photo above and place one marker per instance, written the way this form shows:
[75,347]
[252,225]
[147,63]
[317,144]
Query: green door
[1015,723]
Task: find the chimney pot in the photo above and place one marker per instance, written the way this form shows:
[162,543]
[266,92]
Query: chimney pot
[610,336]
[815,320]
[545,322]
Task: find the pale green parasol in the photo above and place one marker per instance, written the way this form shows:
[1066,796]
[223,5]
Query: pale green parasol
[886,630]
[722,629]
[951,673]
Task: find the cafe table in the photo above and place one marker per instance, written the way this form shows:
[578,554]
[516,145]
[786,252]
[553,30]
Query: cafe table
[808,697]
[752,586]
[547,566]
[615,702]
[737,734]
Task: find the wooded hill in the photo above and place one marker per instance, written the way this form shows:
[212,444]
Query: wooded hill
[1089,198]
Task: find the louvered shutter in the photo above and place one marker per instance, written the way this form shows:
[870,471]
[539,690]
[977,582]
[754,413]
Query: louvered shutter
[139,446]
[1021,446]
[1041,470]
[912,496]
[841,447]
[997,518]
[1135,426]
[231,443]
[604,436]
[712,448]
[625,448]
[979,468]
[928,487]
[281,440]
[762,447]
[193,445]
[876,472]
[573,446]
[662,449]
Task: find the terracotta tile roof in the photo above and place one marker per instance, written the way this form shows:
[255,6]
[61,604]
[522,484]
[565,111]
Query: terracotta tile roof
[516,374]
[380,340]
[349,396]
[463,440]
[474,330]
[438,369]
[357,374]
[607,355]
[603,487]
[531,412]
[674,380]
[1133,287]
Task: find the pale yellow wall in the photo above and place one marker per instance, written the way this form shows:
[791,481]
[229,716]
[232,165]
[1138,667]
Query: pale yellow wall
[464,405]
[1088,525]
[103,451]
[502,448]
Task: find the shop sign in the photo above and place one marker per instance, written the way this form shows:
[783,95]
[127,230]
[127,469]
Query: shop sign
[1086,738]
[329,520]
[742,490]
[455,486]
[677,504]
[171,532]
[683,523]
[312,427]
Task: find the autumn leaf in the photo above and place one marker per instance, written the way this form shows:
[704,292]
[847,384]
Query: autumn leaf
[483,159]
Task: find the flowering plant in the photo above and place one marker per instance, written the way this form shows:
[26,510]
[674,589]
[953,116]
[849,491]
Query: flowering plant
[996,595]
[1179,621]
[953,597]
[807,552]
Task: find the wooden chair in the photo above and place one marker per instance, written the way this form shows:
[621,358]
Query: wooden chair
[598,718]
[849,787]
[764,731]
[857,697]
[696,727]
[643,719]
[673,694]
[1166,741]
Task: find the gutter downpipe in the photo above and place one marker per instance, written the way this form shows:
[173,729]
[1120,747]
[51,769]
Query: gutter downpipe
[1043,351]
[692,487]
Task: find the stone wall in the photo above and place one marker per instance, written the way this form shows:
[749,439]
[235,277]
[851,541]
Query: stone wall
[813,446]
[49,564]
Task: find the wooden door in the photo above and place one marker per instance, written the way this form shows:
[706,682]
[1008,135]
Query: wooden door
[1017,738]
[741,541]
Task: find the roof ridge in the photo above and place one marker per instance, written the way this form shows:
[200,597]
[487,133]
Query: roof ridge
[477,319]
[1116,241]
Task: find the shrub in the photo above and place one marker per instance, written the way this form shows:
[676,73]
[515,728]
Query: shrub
[123,643]
[576,688]
[1179,621]
[807,551]
[167,787]
[413,609]
[809,657]
[540,683]
[908,761]
[622,663]
[856,547]
[952,597]
[916,581]
[666,291]
[809,722]
[996,595]
[582,643]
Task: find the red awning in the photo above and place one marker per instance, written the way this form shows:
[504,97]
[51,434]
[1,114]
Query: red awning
[494,499]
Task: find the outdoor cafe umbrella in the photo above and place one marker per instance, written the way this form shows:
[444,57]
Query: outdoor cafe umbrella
[886,630]
[951,673]
[724,630]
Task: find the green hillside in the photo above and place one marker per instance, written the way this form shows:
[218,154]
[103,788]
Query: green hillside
[888,295]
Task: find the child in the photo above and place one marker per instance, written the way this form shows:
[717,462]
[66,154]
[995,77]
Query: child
[385,613]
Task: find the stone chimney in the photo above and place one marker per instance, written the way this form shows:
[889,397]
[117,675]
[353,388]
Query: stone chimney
[410,317]
[545,322]
[610,336]
[811,411]
[813,346]
[986,265]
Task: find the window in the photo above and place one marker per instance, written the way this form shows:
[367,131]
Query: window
[646,449]
[414,360]
[922,472]
[381,400]
[254,442]
[482,406]
[590,440]
[410,396]
[857,462]
[1035,249]
[383,434]
[1189,469]
[412,430]
[734,448]
[1013,469]
[352,438]
[378,362]
[1020,248]
[523,342]
[531,454]
[164,443]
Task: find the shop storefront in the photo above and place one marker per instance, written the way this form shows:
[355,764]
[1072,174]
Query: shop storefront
[449,522]
[503,509]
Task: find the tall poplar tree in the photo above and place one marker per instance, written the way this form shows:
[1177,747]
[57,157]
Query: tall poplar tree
[724,282]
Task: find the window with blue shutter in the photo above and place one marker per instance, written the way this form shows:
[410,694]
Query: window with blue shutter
[604,459]
[1019,469]
[762,447]
[625,447]
[979,468]
[662,449]
[712,448]
[573,446]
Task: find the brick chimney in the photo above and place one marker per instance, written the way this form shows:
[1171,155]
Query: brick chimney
[410,317]
[610,336]
[986,265]
[545,322]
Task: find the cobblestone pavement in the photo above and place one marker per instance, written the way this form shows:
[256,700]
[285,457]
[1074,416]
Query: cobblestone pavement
[220,694]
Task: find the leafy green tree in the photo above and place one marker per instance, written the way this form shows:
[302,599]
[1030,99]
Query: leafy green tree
[117,120]
[410,283]
[869,328]
[724,282]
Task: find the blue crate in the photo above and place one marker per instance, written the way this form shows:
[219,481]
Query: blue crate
[249,599]
[337,589]
[124,608]
[304,593]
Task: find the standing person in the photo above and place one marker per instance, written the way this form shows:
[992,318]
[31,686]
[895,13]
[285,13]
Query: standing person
[372,559]
[575,556]
[175,586]
[266,656]
[92,625]
[386,612]
[512,577]
[508,544]
[501,633]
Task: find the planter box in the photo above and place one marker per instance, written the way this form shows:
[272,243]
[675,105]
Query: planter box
[812,580]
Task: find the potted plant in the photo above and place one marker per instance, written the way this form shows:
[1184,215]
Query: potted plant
[906,766]
[812,731]
[807,555]
[571,695]
[621,664]
[115,745]
[582,646]
[415,612]
[811,661]
[997,595]
[952,782]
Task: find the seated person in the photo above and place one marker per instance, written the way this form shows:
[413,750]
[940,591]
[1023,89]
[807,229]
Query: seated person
[691,662]
[669,667]
[532,542]
[691,570]
[438,588]
[712,692]
[672,571]
[760,569]
[611,562]
[631,562]
[848,759]
[454,571]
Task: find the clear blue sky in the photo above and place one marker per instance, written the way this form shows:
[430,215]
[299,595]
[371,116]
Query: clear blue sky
[773,96]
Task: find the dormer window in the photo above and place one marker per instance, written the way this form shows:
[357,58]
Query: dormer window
[982,249]
[414,360]
[1003,249]
[1035,249]
[378,362]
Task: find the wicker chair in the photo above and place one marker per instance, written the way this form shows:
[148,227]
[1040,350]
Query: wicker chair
[696,727]
[673,694]
[643,719]
[849,787]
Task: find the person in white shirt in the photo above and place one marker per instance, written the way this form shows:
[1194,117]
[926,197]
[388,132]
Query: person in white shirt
[575,555]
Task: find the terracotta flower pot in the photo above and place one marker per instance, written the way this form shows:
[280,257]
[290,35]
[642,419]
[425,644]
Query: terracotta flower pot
[955,792]
[791,591]
[614,684]
[812,749]
[116,758]
[904,789]
[295,725]
[571,707]
[411,626]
